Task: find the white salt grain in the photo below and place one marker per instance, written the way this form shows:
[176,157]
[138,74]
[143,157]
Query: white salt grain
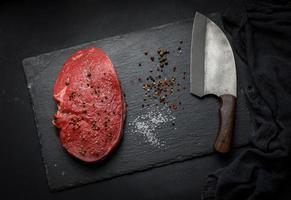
[146,124]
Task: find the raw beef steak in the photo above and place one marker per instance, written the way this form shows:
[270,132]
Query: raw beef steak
[91,108]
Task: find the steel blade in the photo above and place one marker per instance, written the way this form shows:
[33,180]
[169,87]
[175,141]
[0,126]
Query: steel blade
[219,72]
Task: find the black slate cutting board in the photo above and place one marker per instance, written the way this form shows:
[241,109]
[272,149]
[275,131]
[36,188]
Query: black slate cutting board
[196,121]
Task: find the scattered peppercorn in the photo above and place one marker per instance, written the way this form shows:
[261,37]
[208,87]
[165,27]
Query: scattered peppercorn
[72,96]
[83,152]
[159,87]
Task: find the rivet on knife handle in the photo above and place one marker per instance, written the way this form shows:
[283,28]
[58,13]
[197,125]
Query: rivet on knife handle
[227,112]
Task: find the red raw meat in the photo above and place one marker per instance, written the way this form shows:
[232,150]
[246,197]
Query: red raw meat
[91,108]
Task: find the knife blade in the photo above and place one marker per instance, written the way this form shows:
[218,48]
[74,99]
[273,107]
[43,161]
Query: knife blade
[213,71]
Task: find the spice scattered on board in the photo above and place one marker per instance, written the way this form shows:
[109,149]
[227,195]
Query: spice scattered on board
[161,98]
[160,86]
[146,124]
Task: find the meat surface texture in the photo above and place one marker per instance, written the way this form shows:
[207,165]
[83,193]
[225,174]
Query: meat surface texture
[91,108]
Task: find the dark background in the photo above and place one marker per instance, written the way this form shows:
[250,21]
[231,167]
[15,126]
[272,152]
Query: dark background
[30,28]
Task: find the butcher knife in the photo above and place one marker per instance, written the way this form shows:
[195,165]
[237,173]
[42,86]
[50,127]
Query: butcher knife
[213,71]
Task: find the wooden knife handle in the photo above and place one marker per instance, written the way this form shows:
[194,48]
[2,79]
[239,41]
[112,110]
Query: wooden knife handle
[227,113]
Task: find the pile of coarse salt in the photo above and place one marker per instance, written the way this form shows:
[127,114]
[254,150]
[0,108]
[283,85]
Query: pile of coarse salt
[146,124]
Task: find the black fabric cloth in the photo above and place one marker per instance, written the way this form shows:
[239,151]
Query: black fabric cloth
[261,36]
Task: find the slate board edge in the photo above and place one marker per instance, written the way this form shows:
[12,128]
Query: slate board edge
[38,135]
[125,173]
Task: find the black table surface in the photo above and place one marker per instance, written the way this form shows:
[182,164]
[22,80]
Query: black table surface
[29,28]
